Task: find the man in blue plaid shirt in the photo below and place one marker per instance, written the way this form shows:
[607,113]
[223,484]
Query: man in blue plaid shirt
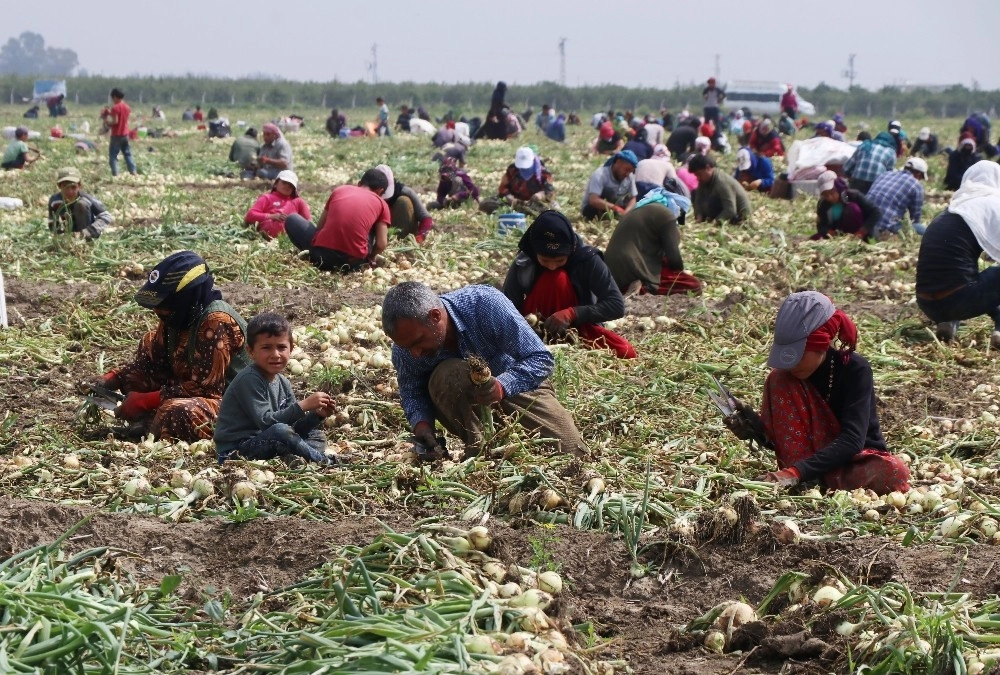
[434,335]
[871,160]
[897,192]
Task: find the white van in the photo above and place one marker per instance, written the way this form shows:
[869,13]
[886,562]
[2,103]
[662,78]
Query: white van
[761,98]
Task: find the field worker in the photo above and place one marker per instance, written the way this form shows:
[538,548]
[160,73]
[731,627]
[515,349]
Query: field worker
[719,197]
[680,142]
[895,193]
[565,284]
[754,172]
[457,149]
[353,228]
[656,172]
[818,410]
[702,145]
[926,144]
[244,152]
[174,385]
[434,335]
[608,140]
[335,123]
[786,126]
[840,126]
[496,126]
[655,133]
[611,189]
[18,153]
[950,287]
[71,210]
[766,141]
[644,254]
[382,118]
[556,130]
[409,215]
[977,125]
[455,186]
[714,98]
[790,102]
[895,129]
[198,115]
[275,154]
[260,417]
[403,118]
[842,209]
[959,161]
[870,160]
[272,208]
[638,145]
[116,119]
[526,185]
[545,118]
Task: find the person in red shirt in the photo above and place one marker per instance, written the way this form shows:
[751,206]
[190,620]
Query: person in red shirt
[353,228]
[116,118]
[198,115]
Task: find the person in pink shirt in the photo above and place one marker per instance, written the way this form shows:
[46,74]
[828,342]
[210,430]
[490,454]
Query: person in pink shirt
[116,118]
[353,228]
[271,209]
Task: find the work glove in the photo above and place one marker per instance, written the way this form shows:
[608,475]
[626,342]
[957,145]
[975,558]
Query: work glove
[488,392]
[425,225]
[784,478]
[618,209]
[108,380]
[556,324]
[423,435]
[137,404]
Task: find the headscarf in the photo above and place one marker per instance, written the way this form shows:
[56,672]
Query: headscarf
[837,326]
[828,128]
[272,128]
[181,283]
[626,155]
[606,131]
[977,201]
[661,151]
[677,204]
[551,234]
[702,144]
[886,139]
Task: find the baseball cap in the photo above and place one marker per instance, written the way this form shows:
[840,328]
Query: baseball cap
[895,125]
[524,158]
[289,177]
[916,164]
[743,161]
[69,174]
[800,314]
[174,273]
[825,181]
[924,134]
[389,191]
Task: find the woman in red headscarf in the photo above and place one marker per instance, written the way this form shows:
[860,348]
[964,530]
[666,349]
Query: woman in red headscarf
[560,279]
[818,412]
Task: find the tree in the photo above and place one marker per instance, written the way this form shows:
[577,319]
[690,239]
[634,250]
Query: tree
[28,55]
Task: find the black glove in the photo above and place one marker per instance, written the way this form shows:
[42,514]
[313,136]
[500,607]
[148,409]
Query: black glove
[746,424]
[425,443]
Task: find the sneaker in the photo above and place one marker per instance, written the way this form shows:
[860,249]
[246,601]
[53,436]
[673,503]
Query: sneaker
[633,289]
[995,339]
[946,330]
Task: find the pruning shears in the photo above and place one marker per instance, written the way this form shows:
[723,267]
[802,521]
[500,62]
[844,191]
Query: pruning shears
[104,398]
[729,406]
[723,399]
[426,454]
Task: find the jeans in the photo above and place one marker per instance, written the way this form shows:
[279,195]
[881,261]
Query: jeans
[301,232]
[120,144]
[982,296]
[712,115]
[302,439]
[268,172]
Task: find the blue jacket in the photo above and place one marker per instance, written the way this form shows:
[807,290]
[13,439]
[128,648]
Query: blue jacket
[760,168]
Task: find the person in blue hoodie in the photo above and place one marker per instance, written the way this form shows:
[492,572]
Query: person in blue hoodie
[753,171]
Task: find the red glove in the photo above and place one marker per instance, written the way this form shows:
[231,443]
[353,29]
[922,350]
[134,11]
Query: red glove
[487,393]
[784,478]
[137,404]
[425,226]
[620,210]
[557,323]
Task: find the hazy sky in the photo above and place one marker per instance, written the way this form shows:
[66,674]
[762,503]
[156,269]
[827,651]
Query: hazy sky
[631,43]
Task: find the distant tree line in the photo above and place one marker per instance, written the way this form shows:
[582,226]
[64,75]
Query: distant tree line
[473,97]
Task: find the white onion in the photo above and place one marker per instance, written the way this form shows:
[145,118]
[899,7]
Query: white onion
[533,619]
[510,590]
[495,570]
[827,595]
[22,461]
[203,487]
[988,527]
[715,641]
[71,461]
[735,615]
[786,531]
[479,644]
[479,537]
[244,490]
[519,640]
[180,478]
[532,597]
[550,582]
[136,487]
[953,526]
[549,500]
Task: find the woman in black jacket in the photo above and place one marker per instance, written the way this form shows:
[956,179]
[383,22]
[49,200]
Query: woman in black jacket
[842,209]
[565,283]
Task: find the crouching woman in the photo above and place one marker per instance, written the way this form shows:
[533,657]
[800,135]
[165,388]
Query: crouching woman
[818,409]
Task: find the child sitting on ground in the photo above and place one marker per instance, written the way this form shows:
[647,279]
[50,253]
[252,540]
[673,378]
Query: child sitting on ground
[259,417]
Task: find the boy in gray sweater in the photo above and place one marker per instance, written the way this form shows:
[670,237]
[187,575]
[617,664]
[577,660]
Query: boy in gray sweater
[259,417]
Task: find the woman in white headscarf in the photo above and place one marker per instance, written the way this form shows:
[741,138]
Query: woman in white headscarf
[950,287]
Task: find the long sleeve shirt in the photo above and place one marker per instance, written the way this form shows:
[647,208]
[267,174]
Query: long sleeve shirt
[251,404]
[85,214]
[271,203]
[870,161]
[896,193]
[721,198]
[852,399]
[489,326]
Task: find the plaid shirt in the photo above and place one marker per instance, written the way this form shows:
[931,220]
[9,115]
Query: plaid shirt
[489,326]
[895,193]
[869,164]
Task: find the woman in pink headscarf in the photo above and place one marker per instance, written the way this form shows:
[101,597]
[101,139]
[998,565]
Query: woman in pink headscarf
[275,154]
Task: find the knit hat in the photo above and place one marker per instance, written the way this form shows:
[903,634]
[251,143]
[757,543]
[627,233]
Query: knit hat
[800,314]
[389,191]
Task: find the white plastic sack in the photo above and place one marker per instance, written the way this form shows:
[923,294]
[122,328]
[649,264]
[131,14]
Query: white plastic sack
[421,127]
[815,152]
[461,129]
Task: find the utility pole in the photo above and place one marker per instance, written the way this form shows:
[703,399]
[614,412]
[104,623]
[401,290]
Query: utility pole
[562,61]
[850,73]
[373,64]
[718,70]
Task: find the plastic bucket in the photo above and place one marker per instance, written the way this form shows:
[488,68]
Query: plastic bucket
[508,222]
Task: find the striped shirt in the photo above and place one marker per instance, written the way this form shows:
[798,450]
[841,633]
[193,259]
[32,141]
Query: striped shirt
[489,326]
[895,193]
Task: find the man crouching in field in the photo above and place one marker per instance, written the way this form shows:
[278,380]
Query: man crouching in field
[434,335]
